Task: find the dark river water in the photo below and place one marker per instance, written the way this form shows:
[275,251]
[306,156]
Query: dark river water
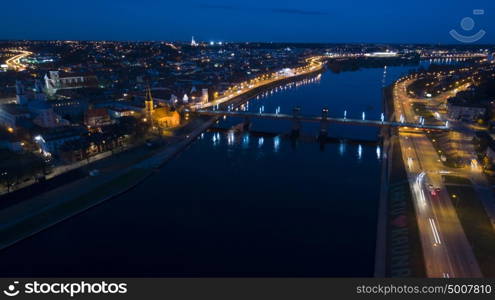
[239,204]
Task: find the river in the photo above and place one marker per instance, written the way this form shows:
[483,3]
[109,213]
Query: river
[239,204]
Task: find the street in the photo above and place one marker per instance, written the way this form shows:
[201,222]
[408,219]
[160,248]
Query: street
[446,250]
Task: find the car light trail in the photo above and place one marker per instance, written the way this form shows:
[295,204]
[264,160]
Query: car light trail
[410,162]
[434,231]
[15,62]
[418,190]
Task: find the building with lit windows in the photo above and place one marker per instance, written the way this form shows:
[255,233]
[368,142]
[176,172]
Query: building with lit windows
[54,81]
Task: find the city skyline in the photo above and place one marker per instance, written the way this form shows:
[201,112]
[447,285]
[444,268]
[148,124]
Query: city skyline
[267,21]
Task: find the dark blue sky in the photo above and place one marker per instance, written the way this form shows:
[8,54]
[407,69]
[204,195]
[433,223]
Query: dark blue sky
[412,21]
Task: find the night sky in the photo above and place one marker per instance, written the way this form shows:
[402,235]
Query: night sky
[413,21]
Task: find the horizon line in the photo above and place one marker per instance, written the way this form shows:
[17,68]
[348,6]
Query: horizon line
[250,42]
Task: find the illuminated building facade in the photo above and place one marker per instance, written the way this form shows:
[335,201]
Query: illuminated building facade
[54,82]
[162,117]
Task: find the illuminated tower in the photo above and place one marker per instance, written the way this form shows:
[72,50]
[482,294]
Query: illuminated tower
[204,95]
[148,103]
[193,42]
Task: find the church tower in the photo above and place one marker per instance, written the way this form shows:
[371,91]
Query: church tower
[148,103]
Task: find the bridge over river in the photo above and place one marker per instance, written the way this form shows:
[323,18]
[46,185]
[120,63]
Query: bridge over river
[324,120]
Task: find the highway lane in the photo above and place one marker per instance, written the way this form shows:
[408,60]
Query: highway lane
[437,259]
[446,250]
[15,61]
[459,256]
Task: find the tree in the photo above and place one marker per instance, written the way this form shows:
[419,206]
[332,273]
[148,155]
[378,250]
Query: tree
[15,167]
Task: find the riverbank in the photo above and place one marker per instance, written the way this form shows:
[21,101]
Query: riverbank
[236,101]
[34,215]
[41,212]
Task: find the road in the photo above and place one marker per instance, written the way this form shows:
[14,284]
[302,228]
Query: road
[313,64]
[15,61]
[446,250]
[56,171]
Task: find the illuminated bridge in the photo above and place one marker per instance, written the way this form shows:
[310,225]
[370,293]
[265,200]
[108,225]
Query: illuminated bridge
[324,120]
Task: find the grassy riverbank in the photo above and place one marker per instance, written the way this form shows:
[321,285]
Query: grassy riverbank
[43,218]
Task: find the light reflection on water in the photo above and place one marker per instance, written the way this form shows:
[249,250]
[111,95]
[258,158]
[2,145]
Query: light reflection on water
[276,143]
[230,137]
[341,148]
[284,98]
[235,140]
[259,107]
[245,141]
[261,140]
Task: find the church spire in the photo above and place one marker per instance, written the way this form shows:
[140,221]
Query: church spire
[148,102]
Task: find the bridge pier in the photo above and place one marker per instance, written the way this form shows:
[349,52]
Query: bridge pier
[323,125]
[296,121]
[246,125]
